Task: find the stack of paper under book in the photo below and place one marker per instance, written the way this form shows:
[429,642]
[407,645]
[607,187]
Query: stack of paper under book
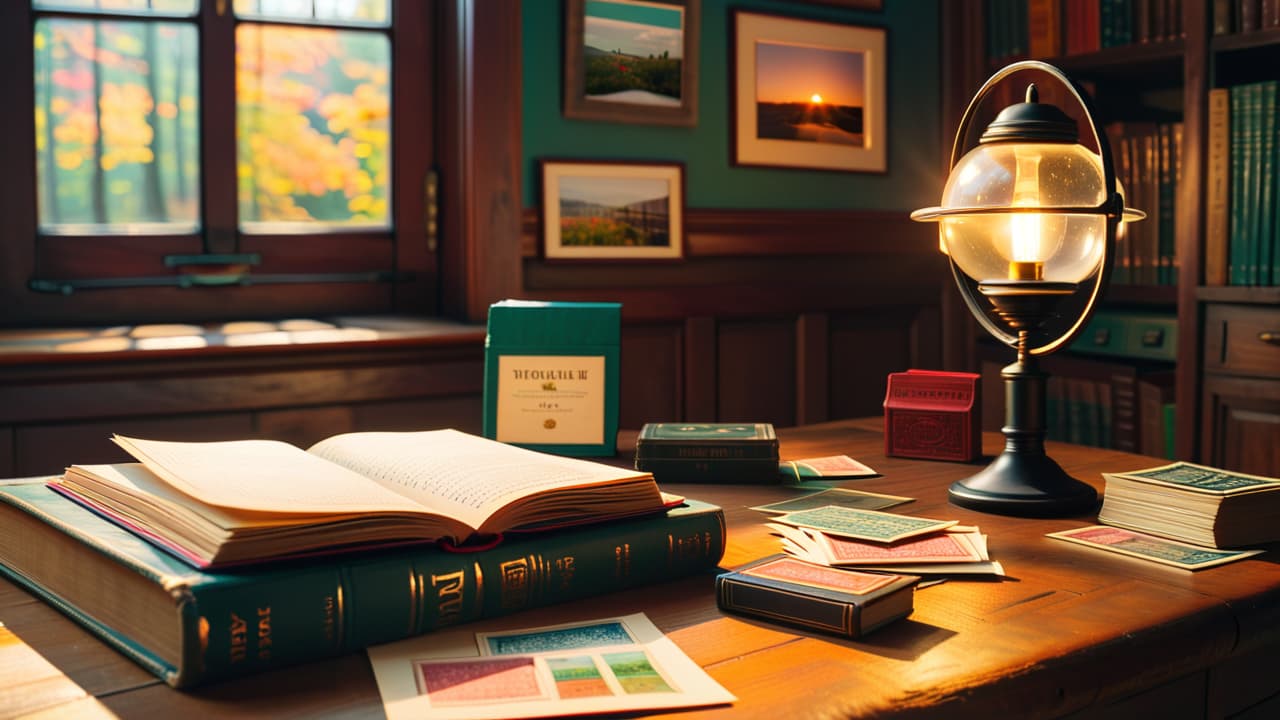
[1197,504]
[857,539]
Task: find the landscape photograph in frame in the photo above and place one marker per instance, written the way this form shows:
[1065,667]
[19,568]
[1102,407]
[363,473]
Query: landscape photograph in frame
[632,61]
[612,210]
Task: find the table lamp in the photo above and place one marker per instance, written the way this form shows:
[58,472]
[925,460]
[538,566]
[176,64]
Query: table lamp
[1029,219]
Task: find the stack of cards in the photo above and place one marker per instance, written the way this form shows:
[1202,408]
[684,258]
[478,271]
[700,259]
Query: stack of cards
[863,539]
[1200,505]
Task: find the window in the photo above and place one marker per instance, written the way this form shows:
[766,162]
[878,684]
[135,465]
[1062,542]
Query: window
[205,159]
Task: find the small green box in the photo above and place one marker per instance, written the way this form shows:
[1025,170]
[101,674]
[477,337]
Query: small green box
[551,376]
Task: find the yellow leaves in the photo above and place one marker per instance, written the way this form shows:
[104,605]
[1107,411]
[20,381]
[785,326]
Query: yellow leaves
[167,110]
[363,150]
[59,106]
[68,160]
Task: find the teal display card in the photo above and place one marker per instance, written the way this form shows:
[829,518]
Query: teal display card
[551,376]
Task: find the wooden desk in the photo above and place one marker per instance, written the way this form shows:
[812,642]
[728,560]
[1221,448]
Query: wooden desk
[1070,631]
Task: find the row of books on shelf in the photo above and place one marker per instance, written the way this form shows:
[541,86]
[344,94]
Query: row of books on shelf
[1242,225]
[1137,417]
[1237,16]
[1148,160]
[1047,28]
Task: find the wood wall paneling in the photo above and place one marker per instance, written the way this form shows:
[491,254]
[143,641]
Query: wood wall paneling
[813,380]
[700,370]
[652,390]
[304,427]
[49,448]
[7,465]
[461,412]
[756,371]
[865,348]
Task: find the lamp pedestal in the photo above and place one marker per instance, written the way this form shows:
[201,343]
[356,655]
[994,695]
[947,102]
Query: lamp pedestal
[1023,480]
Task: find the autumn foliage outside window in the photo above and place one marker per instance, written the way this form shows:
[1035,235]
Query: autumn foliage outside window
[167,130]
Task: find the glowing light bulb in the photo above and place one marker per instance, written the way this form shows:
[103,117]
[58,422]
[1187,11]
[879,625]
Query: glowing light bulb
[1026,261]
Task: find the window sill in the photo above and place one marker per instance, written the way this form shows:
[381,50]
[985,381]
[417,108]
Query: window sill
[232,339]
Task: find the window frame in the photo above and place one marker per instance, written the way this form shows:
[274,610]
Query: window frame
[417,45]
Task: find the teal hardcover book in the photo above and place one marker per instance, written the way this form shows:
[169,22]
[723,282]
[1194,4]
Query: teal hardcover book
[190,627]
[551,376]
[708,452]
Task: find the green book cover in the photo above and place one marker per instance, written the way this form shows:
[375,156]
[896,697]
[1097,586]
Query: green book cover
[1252,181]
[1235,247]
[190,627]
[708,452]
[1266,182]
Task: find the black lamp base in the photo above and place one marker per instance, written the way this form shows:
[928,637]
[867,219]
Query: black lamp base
[1024,485]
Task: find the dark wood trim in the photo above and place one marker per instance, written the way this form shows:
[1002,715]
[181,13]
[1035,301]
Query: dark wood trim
[1240,294]
[1189,225]
[17,130]
[480,159]
[745,233]
[413,87]
[219,180]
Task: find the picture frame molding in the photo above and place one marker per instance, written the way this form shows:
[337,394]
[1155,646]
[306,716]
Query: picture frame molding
[746,149]
[577,106]
[552,250]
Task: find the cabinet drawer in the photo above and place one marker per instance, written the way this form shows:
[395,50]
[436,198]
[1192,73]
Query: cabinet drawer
[1242,340]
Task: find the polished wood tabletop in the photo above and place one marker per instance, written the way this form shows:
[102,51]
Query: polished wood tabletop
[1069,631]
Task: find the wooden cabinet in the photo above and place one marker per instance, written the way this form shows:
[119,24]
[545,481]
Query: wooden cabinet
[1241,399]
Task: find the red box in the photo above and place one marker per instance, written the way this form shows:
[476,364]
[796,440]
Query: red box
[934,415]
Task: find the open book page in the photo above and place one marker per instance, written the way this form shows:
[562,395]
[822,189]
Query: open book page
[264,476]
[461,475]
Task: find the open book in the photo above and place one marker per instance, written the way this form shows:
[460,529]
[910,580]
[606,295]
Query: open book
[223,503]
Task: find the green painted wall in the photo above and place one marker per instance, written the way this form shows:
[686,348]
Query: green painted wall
[915,173]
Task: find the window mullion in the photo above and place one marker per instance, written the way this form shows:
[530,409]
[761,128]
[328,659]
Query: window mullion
[218,125]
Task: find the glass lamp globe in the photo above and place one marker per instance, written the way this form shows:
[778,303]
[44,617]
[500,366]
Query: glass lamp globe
[1058,246]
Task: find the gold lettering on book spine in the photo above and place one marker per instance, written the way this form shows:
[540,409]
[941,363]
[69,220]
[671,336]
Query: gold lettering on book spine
[264,633]
[239,646]
[565,568]
[516,579]
[415,600]
[622,561]
[449,595]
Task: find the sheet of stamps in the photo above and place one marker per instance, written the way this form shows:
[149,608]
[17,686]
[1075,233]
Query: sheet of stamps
[1154,549]
[1199,478]
[621,664]
[839,497]
[863,524]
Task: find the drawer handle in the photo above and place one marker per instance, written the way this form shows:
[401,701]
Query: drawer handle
[1269,337]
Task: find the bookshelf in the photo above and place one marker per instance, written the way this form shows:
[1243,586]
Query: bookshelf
[1162,62]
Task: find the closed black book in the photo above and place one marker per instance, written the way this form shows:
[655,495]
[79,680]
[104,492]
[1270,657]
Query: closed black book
[783,589]
[709,452]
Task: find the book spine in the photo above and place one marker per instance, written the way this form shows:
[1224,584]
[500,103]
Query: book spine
[1223,17]
[1167,211]
[1044,34]
[240,622]
[1219,197]
[1266,181]
[1235,267]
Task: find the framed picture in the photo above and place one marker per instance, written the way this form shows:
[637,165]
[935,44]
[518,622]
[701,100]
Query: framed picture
[808,94]
[632,61]
[612,210]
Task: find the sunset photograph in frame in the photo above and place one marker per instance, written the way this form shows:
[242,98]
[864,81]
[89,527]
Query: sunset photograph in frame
[612,210]
[808,94]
